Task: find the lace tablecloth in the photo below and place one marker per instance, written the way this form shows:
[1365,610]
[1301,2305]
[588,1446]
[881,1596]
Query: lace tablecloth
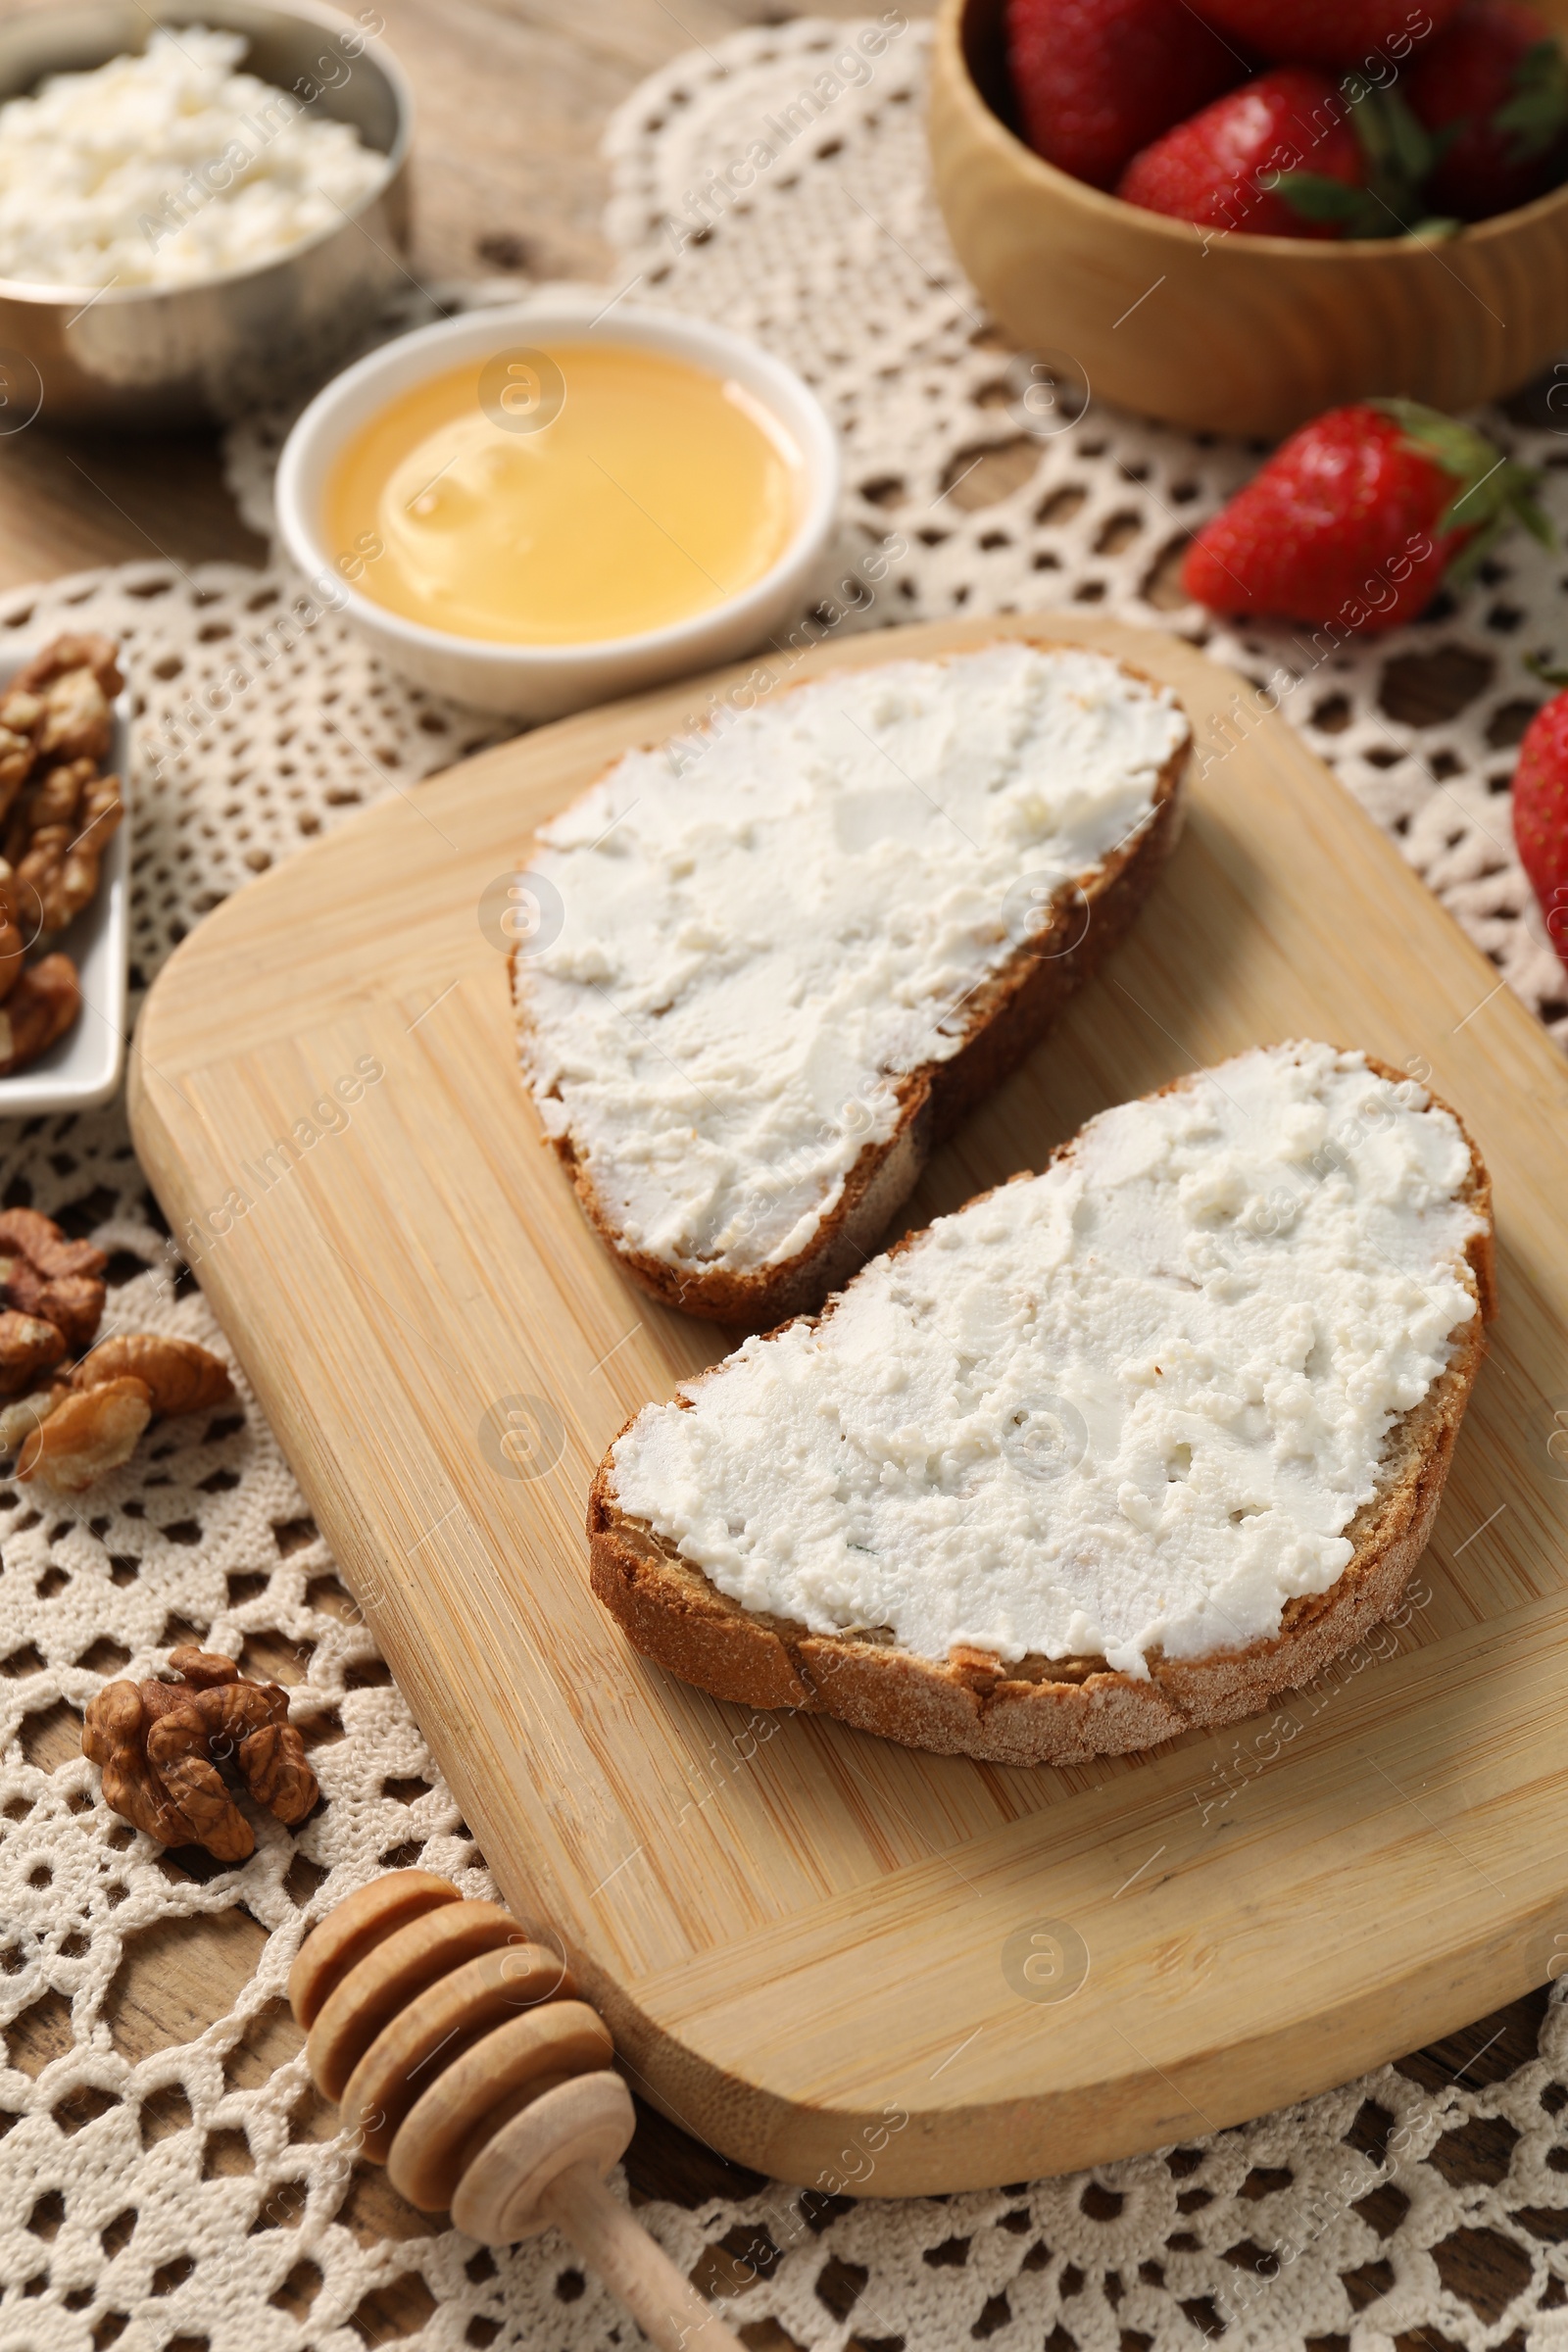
[192,2198]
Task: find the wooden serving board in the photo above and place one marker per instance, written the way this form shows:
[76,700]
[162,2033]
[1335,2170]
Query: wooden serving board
[835,1959]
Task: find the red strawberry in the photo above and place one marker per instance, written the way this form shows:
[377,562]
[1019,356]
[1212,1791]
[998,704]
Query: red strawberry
[1357,519]
[1540,810]
[1097,79]
[1218,167]
[1499,80]
[1331,32]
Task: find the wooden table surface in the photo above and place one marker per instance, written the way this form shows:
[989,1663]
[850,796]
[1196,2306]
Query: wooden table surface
[512,96]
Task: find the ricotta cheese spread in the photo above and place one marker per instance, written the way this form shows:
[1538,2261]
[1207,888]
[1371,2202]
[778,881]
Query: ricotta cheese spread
[161,168]
[738,954]
[1133,1403]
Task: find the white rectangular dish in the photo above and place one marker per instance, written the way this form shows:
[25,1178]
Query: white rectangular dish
[83,1068]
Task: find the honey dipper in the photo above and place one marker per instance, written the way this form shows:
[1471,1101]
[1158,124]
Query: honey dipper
[468,2066]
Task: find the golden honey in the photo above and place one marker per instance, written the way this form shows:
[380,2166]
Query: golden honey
[566,496]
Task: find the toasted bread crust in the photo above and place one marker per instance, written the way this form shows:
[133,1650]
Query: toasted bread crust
[1040,1710]
[1003,1020]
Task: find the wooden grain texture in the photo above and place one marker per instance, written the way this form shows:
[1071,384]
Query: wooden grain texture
[1221,331]
[794,1929]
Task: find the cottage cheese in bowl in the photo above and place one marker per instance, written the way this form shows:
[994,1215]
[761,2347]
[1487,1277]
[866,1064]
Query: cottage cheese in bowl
[169,166]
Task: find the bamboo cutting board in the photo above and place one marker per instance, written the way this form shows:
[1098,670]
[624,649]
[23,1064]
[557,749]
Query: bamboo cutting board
[837,1960]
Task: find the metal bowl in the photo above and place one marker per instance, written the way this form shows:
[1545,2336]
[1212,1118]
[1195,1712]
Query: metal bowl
[158,355]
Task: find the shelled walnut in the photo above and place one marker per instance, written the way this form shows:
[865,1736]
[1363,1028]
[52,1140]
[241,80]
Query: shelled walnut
[29,1345]
[58,815]
[179,1376]
[74,680]
[42,1273]
[43,1001]
[87,1420]
[77,1434]
[69,1436]
[160,1744]
[21,716]
[55,837]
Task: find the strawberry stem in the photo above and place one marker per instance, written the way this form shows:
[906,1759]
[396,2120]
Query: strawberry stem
[1493,490]
[1400,155]
[1538,111]
[1316,197]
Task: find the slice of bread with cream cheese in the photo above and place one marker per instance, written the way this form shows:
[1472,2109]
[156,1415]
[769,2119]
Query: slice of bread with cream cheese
[776,963]
[1120,1449]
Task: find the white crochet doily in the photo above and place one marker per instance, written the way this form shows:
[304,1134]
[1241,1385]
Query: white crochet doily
[192,2198]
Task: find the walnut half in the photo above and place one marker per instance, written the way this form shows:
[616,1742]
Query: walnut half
[75,679]
[160,1744]
[44,999]
[71,1436]
[56,817]
[179,1376]
[28,1345]
[88,1432]
[54,839]
[43,1273]
[22,1415]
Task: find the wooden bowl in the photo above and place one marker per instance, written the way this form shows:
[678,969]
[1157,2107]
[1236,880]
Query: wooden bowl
[1235,333]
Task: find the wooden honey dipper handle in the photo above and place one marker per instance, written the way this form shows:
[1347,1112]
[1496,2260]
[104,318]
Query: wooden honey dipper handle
[465,2064]
[666,2307]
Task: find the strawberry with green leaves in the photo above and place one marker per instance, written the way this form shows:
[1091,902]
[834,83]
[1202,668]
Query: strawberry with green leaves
[1492,91]
[1292,154]
[1222,168]
[1390,197]
[1359,517]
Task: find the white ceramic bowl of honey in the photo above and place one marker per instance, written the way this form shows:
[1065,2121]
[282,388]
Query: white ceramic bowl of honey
[537,508]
